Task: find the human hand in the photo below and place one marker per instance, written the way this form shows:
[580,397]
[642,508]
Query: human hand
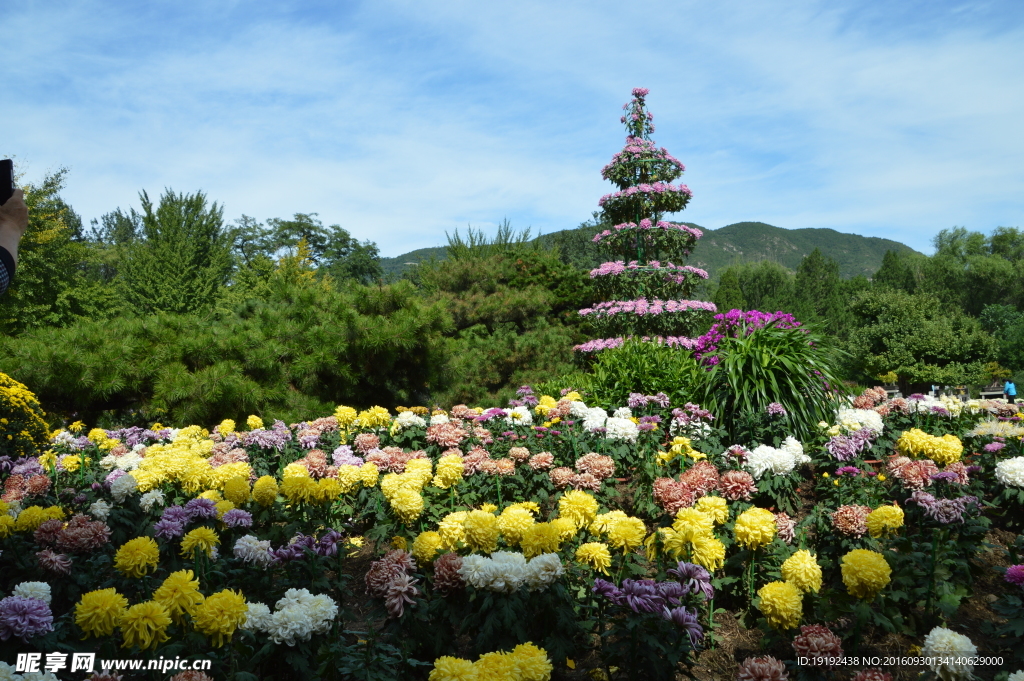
[13,222]
[14,213]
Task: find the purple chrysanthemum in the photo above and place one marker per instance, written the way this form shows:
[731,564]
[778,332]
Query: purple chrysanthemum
[688,622]
[176,514]
[328,544]
[236,517]
[343,456]
[603,587]
[168,529]
[1015,575]
[776,409]
[201,508]
[994,446]
[24,618]
[641,595]
[694,577]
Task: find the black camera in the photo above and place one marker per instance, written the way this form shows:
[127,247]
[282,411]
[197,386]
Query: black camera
[6,180]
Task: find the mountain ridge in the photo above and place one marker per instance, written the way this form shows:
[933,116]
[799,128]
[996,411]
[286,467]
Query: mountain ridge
[718,249]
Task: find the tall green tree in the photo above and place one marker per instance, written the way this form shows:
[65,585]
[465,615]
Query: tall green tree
[818,293]
[729,294]
[50,287]
[182,258]
[895,273]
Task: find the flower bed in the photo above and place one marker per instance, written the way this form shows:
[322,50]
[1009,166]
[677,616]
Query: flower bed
[543,540]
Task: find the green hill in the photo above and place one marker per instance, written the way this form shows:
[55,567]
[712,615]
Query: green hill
[731,245]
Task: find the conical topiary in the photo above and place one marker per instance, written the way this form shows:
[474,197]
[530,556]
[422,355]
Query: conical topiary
[645,285]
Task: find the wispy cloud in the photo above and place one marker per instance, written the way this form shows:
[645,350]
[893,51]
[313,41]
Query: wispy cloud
[403,120]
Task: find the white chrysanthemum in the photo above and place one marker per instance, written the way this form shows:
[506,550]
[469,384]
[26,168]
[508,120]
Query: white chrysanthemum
[579,409]
[949,648]
[108,462]
[764,458]
[290,625]
[258,617]
[1016,676]
[152,498]
[795,449]
[139,448]
[1011,472]
[64,438]
[438,419]
[322,610]
[474,570]
[542,571]
[623,413]
[621,429]
[129,461]
[252,550]
[7,673]
[855,419]
[595,418]
[121,488]
[100,509]
[409,419]
[519,416]
[507,572]
[36,676]
[40,590]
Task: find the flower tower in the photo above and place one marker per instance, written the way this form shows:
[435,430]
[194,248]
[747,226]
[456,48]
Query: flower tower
[645,285]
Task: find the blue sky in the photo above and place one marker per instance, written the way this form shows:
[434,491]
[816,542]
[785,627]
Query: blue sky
[403,120]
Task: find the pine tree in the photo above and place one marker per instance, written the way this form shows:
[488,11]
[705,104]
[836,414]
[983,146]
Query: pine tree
[182,259]
[647,287]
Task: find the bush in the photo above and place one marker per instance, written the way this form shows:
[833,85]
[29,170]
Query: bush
[22,428]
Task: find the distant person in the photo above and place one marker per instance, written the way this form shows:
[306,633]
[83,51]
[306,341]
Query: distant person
[13,223]
[1010,391]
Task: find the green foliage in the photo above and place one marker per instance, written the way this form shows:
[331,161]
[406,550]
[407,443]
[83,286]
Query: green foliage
[920,340]
[23,431]
[638,367]
[514,309]
[301,352]
[729,294]
[50,287]
[794,367]
[181,260]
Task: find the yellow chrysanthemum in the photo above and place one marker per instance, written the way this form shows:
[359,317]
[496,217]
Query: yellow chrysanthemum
[425,546]
[223,506]
[496,666]
[627,534]
[865,573]
[399,542]
[200,538]
[373,418]
[708,552]
[345,416]
[802,571]
[754,528]
[488,508]
[781,604]
[603,521]
[299,489]
[448,668]
[513,523]
[264,492]
[7,524]
[595,555]
[98,613]
[545,404]
[348,478]
[884,520]
[145,625]
[180,594]
[407,505]
[541,538]
[368,473]
[578,506]
[691,522]
[451,529]
[254,422]
[30,518]
[220,615]
[530,506]
[449,471]
[236,490]
[532,662]
[481,530]
[716,507]
[918,444]
[327,490]
[137,557]
[226,427]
